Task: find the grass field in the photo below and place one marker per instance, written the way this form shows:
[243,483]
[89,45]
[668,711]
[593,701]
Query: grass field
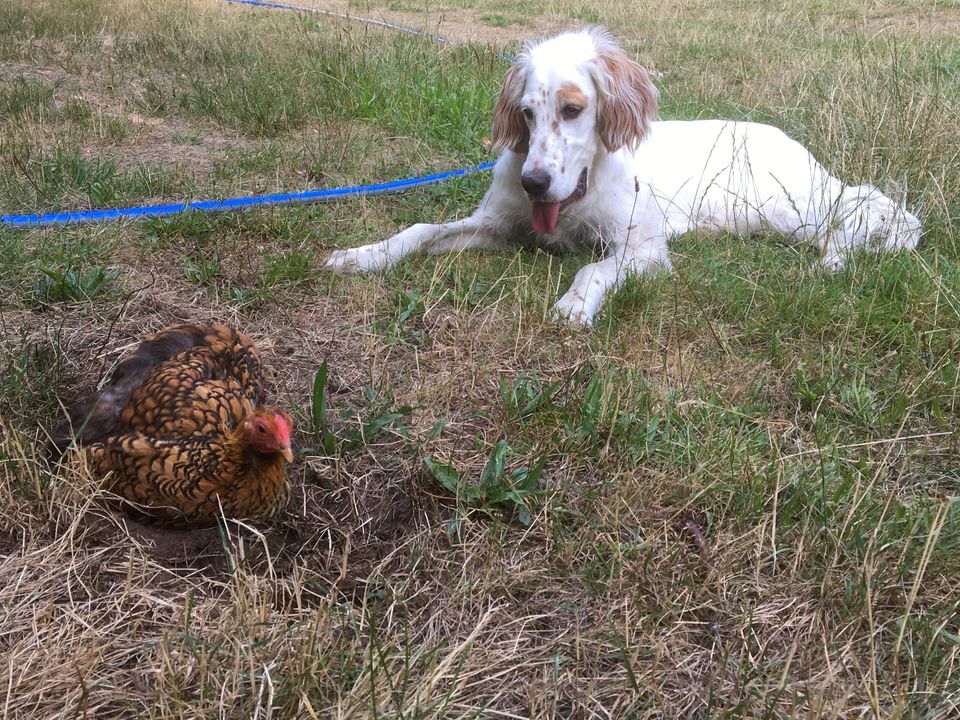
[738,496]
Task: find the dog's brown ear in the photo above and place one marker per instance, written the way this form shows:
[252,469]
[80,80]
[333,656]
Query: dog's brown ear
[509,128]
[627,99]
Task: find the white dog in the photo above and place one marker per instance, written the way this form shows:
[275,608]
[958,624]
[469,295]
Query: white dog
[583,164]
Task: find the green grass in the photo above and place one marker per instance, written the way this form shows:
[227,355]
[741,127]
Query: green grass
[735,497]
[24,96]
[59,179]
[246,77]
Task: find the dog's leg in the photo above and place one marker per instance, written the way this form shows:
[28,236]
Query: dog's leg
[472,233]
[592,282]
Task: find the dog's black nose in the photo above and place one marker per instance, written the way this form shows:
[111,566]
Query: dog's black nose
[535,182]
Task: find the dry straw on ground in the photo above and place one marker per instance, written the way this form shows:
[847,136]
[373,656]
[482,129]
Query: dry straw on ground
[748,506]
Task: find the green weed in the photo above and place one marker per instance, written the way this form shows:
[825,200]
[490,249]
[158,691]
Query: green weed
[354,428]
[202,270]
[394,325]
[73,285]
[527,395]
[497,488]
[287,270]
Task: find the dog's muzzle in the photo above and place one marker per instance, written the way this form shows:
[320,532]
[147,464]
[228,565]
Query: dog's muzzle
[544,216]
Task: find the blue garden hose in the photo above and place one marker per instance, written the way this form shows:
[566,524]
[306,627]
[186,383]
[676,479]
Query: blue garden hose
[242,203]
[233,204]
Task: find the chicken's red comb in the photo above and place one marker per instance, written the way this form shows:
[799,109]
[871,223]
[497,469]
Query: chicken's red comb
[283,427]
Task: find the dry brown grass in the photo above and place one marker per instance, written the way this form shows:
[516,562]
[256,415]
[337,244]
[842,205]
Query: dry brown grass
[746,523]
[616,602]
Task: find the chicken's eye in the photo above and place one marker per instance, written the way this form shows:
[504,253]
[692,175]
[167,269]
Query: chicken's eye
[261,429]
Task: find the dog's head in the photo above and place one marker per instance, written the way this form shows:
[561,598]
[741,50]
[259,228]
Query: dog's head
[563,101]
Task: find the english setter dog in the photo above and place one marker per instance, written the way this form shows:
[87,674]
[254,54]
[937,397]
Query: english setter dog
[584,164]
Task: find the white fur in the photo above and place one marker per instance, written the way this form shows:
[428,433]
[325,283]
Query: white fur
[670,178]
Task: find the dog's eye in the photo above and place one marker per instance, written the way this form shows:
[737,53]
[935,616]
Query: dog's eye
[527,114]
[569,112]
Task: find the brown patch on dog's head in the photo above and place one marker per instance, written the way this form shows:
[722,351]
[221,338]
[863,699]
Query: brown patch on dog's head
[571,94]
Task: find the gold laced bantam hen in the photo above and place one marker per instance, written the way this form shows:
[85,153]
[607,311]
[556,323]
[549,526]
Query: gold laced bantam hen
[182,433]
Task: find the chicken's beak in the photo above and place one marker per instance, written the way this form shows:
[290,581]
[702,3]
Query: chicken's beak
[287,453]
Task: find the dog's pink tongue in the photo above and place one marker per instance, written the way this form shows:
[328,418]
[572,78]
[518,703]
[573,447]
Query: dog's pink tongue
[545,217]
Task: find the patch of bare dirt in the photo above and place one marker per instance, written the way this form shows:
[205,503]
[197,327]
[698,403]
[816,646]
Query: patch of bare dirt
[47,74]
[142,139]
[938,23]
[456,24]
[171,141]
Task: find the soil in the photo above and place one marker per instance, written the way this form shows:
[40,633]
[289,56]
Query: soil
[454,24]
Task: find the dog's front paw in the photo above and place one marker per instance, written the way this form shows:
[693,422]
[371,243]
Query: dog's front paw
[362,259]
[572,309]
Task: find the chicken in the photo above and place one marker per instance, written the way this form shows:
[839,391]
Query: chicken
[182,432]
